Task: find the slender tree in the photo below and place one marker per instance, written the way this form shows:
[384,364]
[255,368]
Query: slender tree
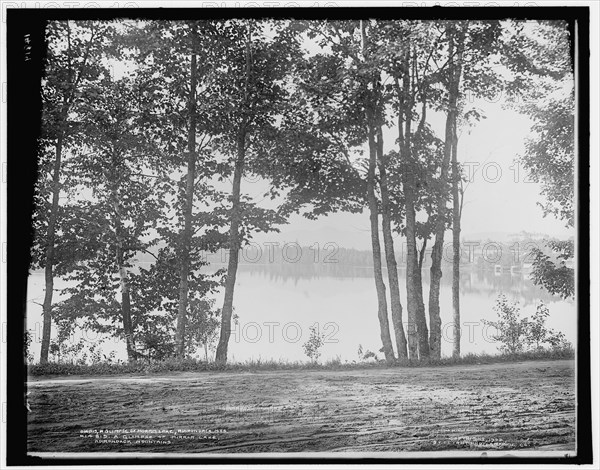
[234,244]
[71,64]
[390,256]
[188,213]
[408,51]
[455,50]
[469,47]
[347,91]
[179,59]
[473,44]
[251,97]
[118,207]
[373,126]
[417,327]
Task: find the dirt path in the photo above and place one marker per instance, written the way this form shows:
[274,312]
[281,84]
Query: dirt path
[528,405]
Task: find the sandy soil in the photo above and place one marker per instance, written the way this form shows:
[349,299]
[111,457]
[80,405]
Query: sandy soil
[528,405]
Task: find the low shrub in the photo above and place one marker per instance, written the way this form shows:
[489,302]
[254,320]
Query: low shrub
[530,334]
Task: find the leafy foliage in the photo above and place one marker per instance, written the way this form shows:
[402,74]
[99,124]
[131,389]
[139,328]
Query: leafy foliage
[511,328]
[516,334]
[552,272]
[538,56]
[312,347]
[28,337]
[73,64]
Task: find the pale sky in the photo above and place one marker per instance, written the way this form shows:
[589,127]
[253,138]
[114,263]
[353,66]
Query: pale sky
[500,198]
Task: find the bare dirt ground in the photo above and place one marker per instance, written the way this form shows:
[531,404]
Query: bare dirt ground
[527,405]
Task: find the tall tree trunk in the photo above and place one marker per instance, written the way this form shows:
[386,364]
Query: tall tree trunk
[187,230]
[435,322]
[455,70]
[411,297]
[422,330]
[234,251]
[125,292]
[382,313]
[390,256]
[456,249]
[418,342]
[53,219]
[411,329]
[236,218]
[49,266]
[457,206]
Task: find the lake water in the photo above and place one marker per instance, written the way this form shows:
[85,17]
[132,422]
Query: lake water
[277,304]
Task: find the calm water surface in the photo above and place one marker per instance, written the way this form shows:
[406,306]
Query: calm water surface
[277,304]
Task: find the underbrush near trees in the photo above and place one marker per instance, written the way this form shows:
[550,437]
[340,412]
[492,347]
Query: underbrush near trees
[194,365]
[516,334]
[519,338]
